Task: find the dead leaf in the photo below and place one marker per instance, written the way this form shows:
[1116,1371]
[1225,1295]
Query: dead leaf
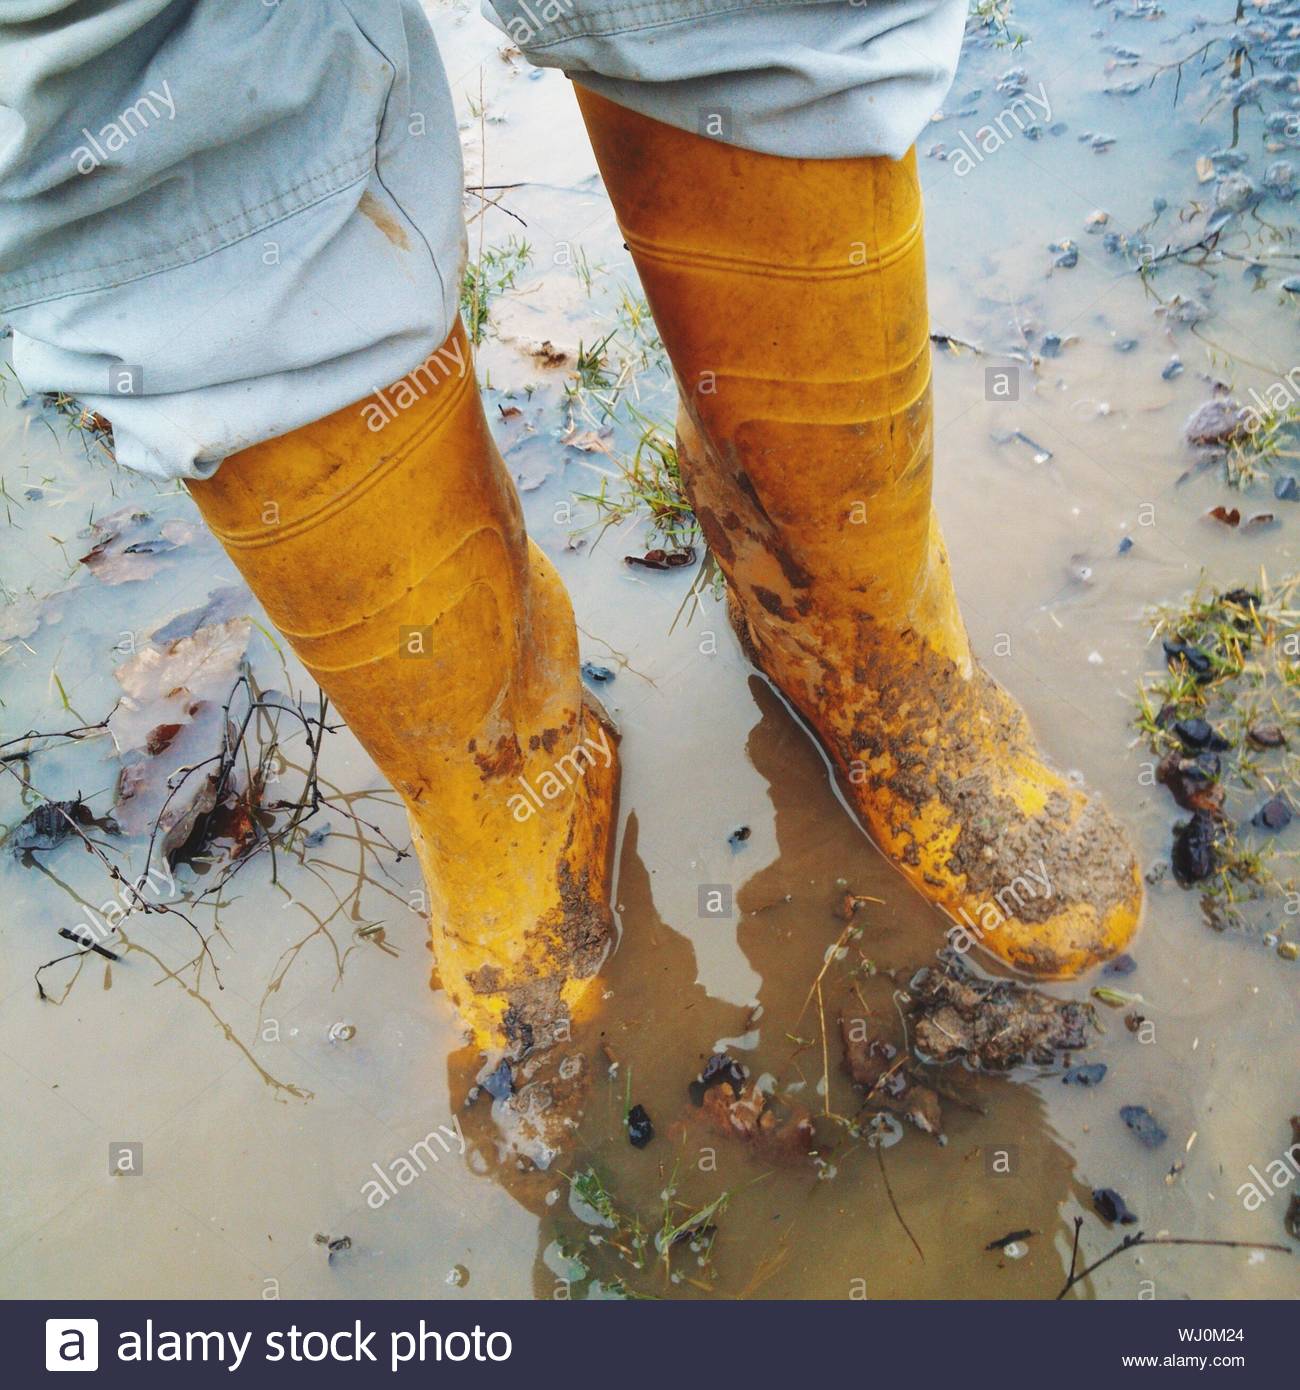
[587,440]
[129,544]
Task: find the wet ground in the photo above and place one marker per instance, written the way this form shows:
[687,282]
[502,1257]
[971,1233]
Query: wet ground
[270,1074]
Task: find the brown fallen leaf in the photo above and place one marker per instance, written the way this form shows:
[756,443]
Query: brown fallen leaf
[129,543]
[589,441]
[170,718]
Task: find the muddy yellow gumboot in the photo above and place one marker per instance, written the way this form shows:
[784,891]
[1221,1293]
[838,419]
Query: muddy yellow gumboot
[790,294]
[389,549]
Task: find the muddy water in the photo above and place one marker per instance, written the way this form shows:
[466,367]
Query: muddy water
[259,1131]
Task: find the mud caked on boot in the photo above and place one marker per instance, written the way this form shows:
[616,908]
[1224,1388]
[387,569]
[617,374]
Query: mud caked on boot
[395,562]
[790,294]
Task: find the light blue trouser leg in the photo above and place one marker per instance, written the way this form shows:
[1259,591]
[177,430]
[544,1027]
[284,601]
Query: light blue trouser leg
[220,220]
[808,79]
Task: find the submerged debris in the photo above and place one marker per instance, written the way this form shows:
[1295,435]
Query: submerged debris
[1011,1238]
[753,1114]
[994,1025]
[717,1069]
[50,823]
[885,1074]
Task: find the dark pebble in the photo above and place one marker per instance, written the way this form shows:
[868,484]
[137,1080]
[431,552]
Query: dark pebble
[598,675]
[1287,489]
[1172,368]
[639,1129]
[738,836]
[1201,665]
[1087,1074]
[1274,814]
[1266,736]
[1193,853]
[1124,546]
[1122,965]
[1198,735]
[1110,1206]
[1142,1124]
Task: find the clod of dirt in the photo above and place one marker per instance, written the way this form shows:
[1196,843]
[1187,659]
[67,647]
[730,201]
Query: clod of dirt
[995,1025]
[1194,782]
[1229,516]
[877,1066]
[738,836]
[1110,1206]
[1274,814]
[747,1112]
[50,823]
[1143,1126]
[717,1069]
[1193,856]
[1266,736]
[1217,421]
[640,1131]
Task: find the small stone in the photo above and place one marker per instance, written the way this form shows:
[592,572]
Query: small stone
[1172,368]
[1110,1206]
[1287,489]
[1266,735]
[1200,736]
[342,1032]
[1143,1126]
[640,1131]
[1086,1074]
[1233,193]
[1069,253]
[1274,814]
[1193,855]
[1288,950]
[1217,421]
[598,675]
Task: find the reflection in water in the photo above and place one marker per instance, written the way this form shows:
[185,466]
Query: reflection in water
[816,1226]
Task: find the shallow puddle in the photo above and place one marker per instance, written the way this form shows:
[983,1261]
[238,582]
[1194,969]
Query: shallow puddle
[278,1077]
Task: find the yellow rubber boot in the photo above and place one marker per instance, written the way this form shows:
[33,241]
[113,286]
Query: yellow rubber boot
[388,546]
[790,294]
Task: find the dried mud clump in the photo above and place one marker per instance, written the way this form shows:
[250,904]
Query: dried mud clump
[993,1025]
